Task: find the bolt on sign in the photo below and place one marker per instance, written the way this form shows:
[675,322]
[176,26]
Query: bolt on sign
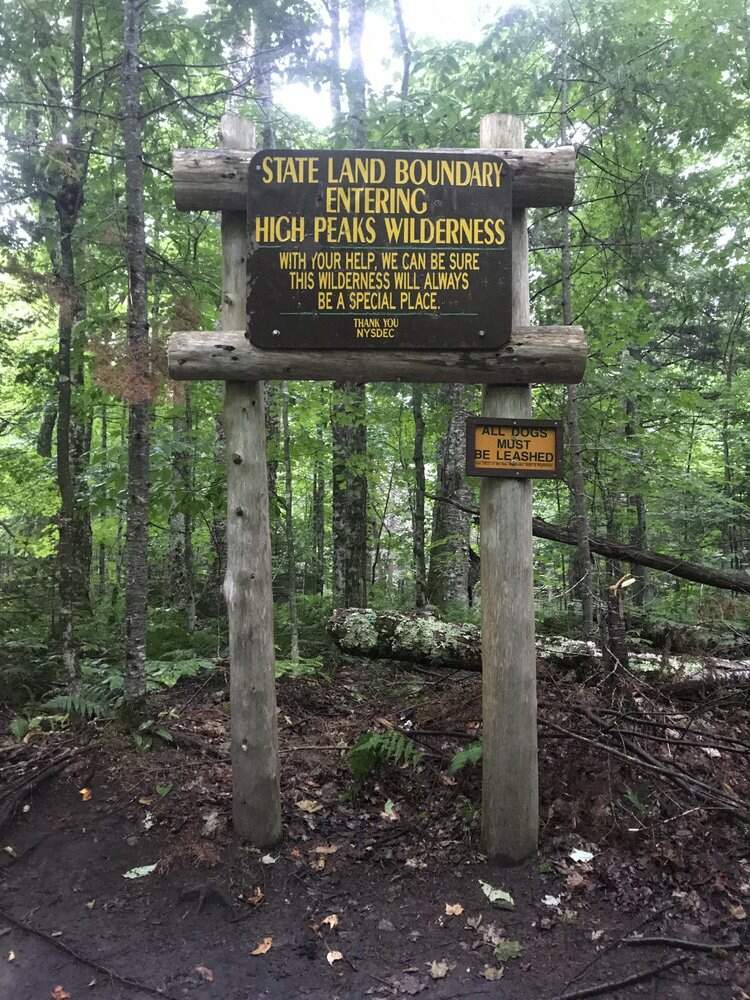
[379,249]
[500,446]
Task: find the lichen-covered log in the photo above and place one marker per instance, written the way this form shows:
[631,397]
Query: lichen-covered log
[419,639]
[428,642]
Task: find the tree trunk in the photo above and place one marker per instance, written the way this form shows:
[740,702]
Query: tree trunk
[349,495]
[74,549]
[582,571]
[418,549]
[291,564]
[349,404]
[181,576]
[674,565]
[448,580]
[139,409]
[319,520]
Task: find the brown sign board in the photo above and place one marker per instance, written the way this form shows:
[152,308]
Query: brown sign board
[514,449]
[378,249]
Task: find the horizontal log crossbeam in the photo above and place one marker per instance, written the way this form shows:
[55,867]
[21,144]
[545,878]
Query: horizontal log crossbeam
[550,354]
[216,179]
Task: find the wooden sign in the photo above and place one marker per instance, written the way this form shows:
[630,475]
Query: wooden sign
[527,449]
[376,249]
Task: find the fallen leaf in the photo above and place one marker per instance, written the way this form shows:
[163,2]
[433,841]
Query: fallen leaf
[738,912]
[331,920]
[205,973]
[145,801]
[309,805]
[597,934]
[439,970]
[211,824]
[453,909]
[140,872]
[268,859]
[498,897]
[163,790]
[389,811]
[10,850]
[296,853]
[60,993]
[492,934]
[91,984]
[91,904]
[575,881]
[257,897]
[333,956]
[408,984]
[551,900]
[507,949]
[56,934]
[578,855]
[11,956]
[148,821]
[262,947]
[711,751]
[492,973]
[85,794]
[318,864]
[447,780]
[326,849]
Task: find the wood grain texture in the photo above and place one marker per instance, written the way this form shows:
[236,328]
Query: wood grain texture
[552,354]
[256,804]
[510,783]
[216,179]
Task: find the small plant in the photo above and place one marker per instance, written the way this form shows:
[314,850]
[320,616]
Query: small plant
[373,749]
[471,754]
[301,668]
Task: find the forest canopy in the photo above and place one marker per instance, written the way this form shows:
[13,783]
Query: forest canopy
[112,482]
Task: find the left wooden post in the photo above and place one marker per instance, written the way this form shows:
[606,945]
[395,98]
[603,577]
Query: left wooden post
[256,807]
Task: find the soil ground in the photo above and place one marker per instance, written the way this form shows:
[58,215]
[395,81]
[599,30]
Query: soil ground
[385,857]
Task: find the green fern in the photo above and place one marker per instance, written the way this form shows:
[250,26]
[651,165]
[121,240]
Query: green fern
[373,749]
[471,754]
[93,701]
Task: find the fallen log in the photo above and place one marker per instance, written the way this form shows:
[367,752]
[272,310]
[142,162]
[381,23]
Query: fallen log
[674,565]
[427,642]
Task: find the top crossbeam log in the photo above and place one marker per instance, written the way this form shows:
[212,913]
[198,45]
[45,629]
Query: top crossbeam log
[216,179]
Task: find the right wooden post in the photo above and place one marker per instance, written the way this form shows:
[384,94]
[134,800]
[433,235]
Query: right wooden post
[510,780]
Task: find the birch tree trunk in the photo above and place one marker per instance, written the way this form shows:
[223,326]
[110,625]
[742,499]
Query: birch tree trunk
[139,408]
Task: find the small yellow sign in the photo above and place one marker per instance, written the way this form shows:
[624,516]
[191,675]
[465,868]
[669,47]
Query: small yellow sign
[523,449]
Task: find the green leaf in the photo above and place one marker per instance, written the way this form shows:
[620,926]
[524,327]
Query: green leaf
[507,949]
[498,897]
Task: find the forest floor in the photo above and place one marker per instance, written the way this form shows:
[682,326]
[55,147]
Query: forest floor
[375,891]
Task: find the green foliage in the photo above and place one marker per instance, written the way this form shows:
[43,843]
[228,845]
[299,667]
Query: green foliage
[375,749]
[311,667]
[471,754]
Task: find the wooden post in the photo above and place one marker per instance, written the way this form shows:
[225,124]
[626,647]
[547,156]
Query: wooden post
[247,586]
[510,781]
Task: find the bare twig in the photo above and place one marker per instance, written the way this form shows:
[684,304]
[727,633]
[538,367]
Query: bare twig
[92,963]
[612,985]
[668,942]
